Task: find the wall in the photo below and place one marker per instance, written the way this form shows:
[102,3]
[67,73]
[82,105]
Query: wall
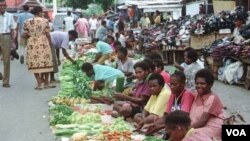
[223,6]
[193,8]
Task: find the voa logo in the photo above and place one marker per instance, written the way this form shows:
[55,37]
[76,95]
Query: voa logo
[236,132]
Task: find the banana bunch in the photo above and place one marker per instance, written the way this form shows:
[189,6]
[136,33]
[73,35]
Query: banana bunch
[69,101]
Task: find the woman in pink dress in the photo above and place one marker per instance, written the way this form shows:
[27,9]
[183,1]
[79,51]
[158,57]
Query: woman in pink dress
[82,27]
[207,112]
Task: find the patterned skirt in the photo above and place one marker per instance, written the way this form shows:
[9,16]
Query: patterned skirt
[39,56]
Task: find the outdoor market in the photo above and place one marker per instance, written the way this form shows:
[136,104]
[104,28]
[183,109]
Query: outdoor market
[124,70]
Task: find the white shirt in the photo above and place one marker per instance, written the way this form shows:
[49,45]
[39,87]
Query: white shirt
[69,25]
[7,22]
[122,40]
[93,24]
[237,37]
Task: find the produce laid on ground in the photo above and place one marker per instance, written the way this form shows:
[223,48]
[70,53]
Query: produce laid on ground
[73,116]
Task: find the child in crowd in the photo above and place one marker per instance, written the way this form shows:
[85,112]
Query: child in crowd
[178,127]
[124,63]
[159,68]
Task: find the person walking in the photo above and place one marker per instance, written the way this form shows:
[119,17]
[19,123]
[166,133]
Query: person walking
[39,56]
[82,27]
[93,26]
[68,22]
[22,42]
[7,27]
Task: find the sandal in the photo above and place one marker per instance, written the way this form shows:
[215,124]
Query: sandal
[6,85]
[49,86]
[1,76]
[39,87]
[54,81]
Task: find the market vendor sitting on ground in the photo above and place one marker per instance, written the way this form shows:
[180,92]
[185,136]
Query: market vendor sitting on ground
[155,106]
[134,102]
[180,99]
[104,51]
[101,73]
[178,128]
[124,63]
[60,40]
[207,112]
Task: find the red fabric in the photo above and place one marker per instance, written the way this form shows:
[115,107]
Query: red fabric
[14,3]
[187,99]
[166,77]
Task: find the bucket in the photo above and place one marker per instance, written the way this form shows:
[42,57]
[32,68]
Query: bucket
[119,83]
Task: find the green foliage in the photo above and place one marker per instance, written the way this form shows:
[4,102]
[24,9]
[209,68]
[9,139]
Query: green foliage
[84,3]
[94,9]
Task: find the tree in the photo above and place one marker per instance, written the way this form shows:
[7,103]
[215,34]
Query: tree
[84,3]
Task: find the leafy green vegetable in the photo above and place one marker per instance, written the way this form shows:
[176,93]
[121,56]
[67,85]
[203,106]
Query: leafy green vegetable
[86,118]
[152,138]
[59,119]
[61,109]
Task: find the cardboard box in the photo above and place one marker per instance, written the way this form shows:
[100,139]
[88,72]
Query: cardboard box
[221,36]
[200,41]
[248,72]
[247,84]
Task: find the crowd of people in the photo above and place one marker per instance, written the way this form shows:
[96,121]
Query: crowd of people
[182,103]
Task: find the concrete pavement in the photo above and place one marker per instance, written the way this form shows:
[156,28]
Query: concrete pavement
[24,110]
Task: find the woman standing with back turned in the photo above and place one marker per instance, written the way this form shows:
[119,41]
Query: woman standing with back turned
[39,57]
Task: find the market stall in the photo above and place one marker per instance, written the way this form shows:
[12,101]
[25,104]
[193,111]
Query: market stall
[79,113]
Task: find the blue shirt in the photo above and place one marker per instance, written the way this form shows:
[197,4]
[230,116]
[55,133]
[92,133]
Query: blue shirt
[101,32]
[103,48]
[59,39]
[21,19]
[106,73]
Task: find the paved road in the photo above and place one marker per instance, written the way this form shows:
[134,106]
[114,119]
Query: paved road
[24,111]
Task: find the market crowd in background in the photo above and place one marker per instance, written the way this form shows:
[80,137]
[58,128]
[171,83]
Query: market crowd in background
[183,101]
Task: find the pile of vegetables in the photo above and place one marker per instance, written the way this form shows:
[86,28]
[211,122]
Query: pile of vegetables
[86,118]
[117,136]
[64,100]
[88,129]
[119,125]
[60,114]
[152,138]
[74,83]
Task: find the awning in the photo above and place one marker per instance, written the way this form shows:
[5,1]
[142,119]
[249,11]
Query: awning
[152,2]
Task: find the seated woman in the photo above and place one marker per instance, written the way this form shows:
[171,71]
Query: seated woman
[157,102]
[180,99]
[124,63]
[111,42]
[177,126]
[134,102]
[207,112]
[159,68]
